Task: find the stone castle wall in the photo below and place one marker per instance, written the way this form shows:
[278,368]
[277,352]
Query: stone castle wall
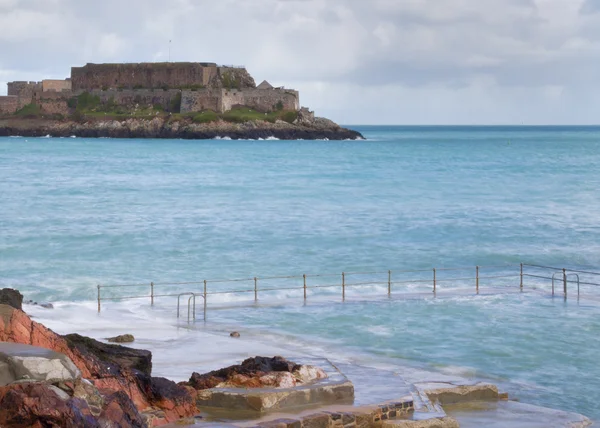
[142,75]
[192,101]
[142,97]
[263,100]
[9,104]
[53,102]
[230,99]
[25,91]
[56,85]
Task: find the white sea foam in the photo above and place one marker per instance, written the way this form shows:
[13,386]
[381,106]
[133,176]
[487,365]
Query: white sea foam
[272,139]
[378,330]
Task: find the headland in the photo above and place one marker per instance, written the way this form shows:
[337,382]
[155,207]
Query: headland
[161,100]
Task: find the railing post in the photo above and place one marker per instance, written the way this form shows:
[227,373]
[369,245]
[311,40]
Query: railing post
[204,300]
[255,289]
[98,298]
[434,281]
[521,277]
[343,286]
[304,276]
[565,281]
[389,283]
[477,279]
[152,294]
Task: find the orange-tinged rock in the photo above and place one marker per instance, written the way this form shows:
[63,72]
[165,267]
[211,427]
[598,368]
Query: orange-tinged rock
[113,378]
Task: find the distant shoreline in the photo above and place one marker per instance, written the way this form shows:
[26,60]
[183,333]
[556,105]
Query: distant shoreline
[160,127]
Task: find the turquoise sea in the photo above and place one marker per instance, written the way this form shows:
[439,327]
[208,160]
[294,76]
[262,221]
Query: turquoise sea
[79,212]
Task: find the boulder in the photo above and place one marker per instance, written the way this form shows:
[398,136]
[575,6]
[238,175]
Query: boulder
[11,297]
[42,405]
[124,338]
[234,334]
[25,363]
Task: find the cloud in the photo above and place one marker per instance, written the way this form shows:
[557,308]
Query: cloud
[425,61]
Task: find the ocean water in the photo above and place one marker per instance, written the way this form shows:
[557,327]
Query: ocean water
[78,212]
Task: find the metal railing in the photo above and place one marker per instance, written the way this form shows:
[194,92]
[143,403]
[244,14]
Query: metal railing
[566,276]
[425,279]
[430,280]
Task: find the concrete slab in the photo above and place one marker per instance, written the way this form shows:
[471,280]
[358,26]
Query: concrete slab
[512,414]
[335,389]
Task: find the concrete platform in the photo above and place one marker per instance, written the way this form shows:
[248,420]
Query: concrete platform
[336,389]
[501,414]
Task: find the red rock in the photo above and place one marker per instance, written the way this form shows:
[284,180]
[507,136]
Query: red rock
[119,412]
[38,404]
[111,369]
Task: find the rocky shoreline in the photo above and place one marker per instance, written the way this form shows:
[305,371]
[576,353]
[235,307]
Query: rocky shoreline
[73,381]
[167,128]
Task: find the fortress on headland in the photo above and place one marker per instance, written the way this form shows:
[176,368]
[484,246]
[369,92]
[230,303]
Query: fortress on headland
[179,87]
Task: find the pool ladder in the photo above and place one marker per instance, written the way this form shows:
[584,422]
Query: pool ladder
[565,281]
[191,305]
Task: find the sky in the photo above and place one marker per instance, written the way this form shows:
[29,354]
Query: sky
[355,61]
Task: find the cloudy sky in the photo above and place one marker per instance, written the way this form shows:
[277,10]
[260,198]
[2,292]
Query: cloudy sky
[355,61]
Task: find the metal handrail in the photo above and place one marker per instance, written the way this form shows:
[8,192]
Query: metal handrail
[343,283]
[434,277]
[191,298]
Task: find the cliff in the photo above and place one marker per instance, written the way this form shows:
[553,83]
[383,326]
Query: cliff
[184,128]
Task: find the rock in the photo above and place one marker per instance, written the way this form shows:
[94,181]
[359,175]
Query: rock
[235,334]
[42,405]
[124,358]
[11,297]
[110,368]
[257,372]
[47,305]
[86,391]
[124,338]
[29,363]
[309,374]
[174,400]
[119,412]
[278,380]
[308,129]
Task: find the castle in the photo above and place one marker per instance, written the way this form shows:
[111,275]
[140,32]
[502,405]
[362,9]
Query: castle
[182,87]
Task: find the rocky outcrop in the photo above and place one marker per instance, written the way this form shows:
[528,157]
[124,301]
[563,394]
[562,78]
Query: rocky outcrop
[257,372]
[106,356]
[11,297]
[162,127]
[115,371]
